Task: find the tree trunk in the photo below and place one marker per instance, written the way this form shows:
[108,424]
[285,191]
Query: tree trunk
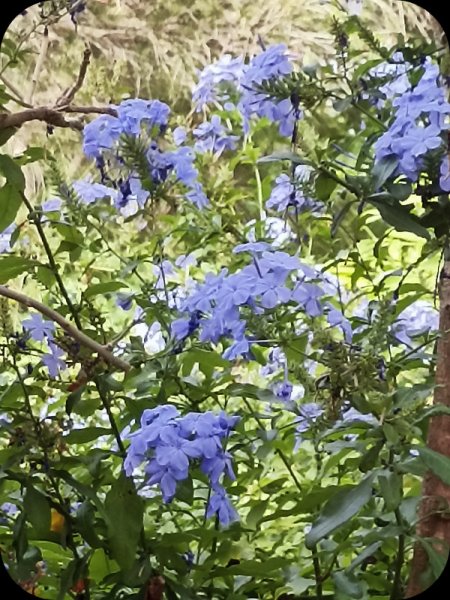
[435,494]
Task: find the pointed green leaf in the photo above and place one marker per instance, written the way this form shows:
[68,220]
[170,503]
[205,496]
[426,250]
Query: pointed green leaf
[436,462]
[10,202]
[124,513]
[37,509]
[339,509]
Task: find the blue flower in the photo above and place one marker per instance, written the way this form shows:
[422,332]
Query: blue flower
[212,137]
[335,317]
[182,163]
[444,180]
[220,505]
[5,238]
[167,477]
[179,135]
[53,360]
[90,192]
[160,163]
[287,194]
[101,134]
[54,204]
[284,390]
[418,125]
[309,413]
[125,301]
[132,113]
[197,196]
[308,295]
[253,247]
[38,328]
[225,72]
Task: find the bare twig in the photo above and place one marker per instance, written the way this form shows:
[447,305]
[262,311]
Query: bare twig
[39,65]
[68,95]
[87,110]
[17,95]
[70,329]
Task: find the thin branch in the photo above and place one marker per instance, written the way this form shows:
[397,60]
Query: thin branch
[51,261]
[17,95]
[70,329]
[69,94]
[38,67]
[87,110]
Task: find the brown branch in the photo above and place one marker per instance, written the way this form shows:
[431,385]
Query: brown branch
[69,94]
[87,110]
[40,113]
[75,333]
[53,116]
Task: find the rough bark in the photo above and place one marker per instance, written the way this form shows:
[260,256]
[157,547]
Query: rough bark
[435,494]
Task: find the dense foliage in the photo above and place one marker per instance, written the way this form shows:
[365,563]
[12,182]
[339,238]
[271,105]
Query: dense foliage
[217,373]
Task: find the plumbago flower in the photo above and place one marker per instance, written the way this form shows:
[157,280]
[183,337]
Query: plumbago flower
[53,360]
[169,443]
[38,328]
[230,78]
[417,128]
[146,120]
[287,194]
[217,307]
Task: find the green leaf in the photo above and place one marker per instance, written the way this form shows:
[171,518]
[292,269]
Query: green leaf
[7,133]
[324,186]
[370,457]
[85,524]
[256,513]
[342,104]
[391,489]
[185,491]
[383,170]
[339,216]
[12,266]
[124,513]
[438,561]
[37,509]
[87,434]
[339,509]
[363,556]
[252,568]
[285,155]
[400,218]
[103,288]
[348,584]
[100,565]
[10,202]
[73,399]
[13,173]
[436,462]
[67,578]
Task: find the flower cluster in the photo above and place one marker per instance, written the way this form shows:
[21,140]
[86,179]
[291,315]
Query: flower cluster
[135,117]
[417,127]
[168,443]
[287,194]
[215,79]
[230,77]
[212,137]
[273,278]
